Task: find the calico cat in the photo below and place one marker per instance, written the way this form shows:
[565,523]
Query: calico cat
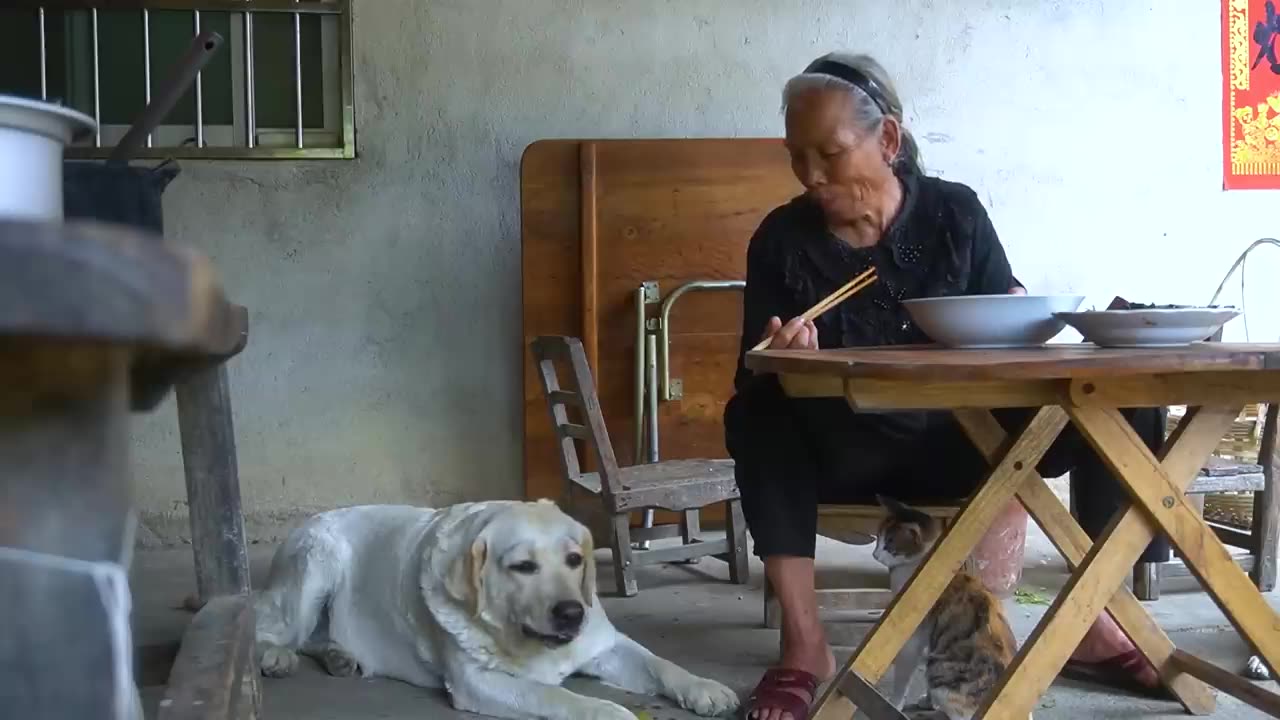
[966,640]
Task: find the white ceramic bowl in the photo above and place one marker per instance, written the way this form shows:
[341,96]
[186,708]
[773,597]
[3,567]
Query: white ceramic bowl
[992,321]
[1151,327]
[32,136]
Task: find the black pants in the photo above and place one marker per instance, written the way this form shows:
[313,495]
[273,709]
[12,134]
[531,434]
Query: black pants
[792,454]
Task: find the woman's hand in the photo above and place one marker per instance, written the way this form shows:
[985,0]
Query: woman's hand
[797,334]
[1017,290]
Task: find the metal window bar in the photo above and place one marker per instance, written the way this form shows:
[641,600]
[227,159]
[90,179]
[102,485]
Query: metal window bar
[44,61]
[146,61]
[297,72]
[342,88]
[97,84]
[250,105]
[199,89]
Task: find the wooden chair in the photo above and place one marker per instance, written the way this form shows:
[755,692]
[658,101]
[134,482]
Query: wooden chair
[852,525]
[682,486]
[1245,462]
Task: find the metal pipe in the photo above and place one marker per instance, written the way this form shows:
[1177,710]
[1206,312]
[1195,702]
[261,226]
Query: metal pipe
[297,72]
[198,53]
[44,63]
[146,60]
[639,378]
[664,322]
[97,83]
[195,17]
[651,366]
[251,120]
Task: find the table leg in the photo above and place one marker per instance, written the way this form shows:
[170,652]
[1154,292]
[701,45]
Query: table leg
[1065,533]
[213,484]
[913,604]
[1160,496]
[1101,572]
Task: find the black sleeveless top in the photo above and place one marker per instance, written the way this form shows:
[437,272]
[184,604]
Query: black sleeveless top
[941,243]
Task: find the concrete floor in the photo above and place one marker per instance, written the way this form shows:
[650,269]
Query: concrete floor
[690,614]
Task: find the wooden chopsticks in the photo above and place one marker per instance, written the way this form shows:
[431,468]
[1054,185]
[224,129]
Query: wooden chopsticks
[845,292]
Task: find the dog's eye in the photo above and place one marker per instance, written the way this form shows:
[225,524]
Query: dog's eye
[528,567]
[573,560]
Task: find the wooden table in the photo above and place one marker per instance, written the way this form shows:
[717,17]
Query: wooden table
[1086,386]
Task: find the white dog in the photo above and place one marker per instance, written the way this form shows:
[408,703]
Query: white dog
[494,601]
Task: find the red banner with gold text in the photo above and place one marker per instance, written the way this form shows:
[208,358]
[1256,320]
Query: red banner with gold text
[1251,94]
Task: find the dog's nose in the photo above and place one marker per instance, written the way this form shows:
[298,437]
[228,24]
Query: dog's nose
[567,614]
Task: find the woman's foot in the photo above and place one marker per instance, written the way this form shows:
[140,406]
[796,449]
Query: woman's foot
[786,691]
[802,668]
[1107,655]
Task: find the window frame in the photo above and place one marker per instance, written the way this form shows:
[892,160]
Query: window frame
[344,75]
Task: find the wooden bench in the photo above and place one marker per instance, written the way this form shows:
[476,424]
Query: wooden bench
[852,525]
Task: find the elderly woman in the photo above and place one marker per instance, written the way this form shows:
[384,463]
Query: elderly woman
[868,204]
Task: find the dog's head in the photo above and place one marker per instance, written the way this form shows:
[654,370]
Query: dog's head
[528,574]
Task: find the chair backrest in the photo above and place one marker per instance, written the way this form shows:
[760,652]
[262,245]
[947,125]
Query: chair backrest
[579,393]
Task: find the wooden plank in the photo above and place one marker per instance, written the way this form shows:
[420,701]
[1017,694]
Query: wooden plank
[917,598]
[1266,505]
[1230,683]
[869,700]
[1203,388]
[590,256]
[1244,482]
[680,553]
[1055,362]
[872,394]
[1178,569]
[1074,544]
[216,660]
[1159,495]
[213,484]
[669,211]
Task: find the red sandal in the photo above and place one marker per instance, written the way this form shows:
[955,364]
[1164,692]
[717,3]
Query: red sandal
[775,691]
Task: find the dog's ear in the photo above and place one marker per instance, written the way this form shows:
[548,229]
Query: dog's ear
[588,547]
[465,582]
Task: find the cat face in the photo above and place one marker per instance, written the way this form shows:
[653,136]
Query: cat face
[905,535]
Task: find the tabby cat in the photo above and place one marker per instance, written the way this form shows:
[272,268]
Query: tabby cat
[967,638]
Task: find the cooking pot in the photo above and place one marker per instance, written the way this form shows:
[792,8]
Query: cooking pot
[32,137]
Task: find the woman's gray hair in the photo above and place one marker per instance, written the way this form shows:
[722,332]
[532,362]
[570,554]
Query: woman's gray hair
[867,111]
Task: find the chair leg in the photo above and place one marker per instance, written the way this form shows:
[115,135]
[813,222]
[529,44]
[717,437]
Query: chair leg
[736,530]
[1266,519]
[1146,581]
[691,531]
[1266,506]
[772,610]
[624,572]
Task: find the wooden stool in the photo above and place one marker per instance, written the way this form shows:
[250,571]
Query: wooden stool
[852,525]
[96,320]
[681,486]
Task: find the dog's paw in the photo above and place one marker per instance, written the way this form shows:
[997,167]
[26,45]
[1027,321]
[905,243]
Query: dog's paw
[338,662]
[707,698]
[1255,669]
[275,661]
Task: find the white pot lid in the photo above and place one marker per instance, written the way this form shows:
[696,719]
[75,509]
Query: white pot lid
[53,121]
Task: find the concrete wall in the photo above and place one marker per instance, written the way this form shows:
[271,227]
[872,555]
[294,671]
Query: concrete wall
[385,292]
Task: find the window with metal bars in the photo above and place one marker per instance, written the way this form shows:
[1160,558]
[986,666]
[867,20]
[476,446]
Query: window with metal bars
[279,87]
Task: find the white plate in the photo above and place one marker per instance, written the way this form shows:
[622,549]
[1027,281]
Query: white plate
[991,321]
[1159,327]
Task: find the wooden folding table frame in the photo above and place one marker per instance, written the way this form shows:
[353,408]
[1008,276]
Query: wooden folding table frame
[1087,386]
